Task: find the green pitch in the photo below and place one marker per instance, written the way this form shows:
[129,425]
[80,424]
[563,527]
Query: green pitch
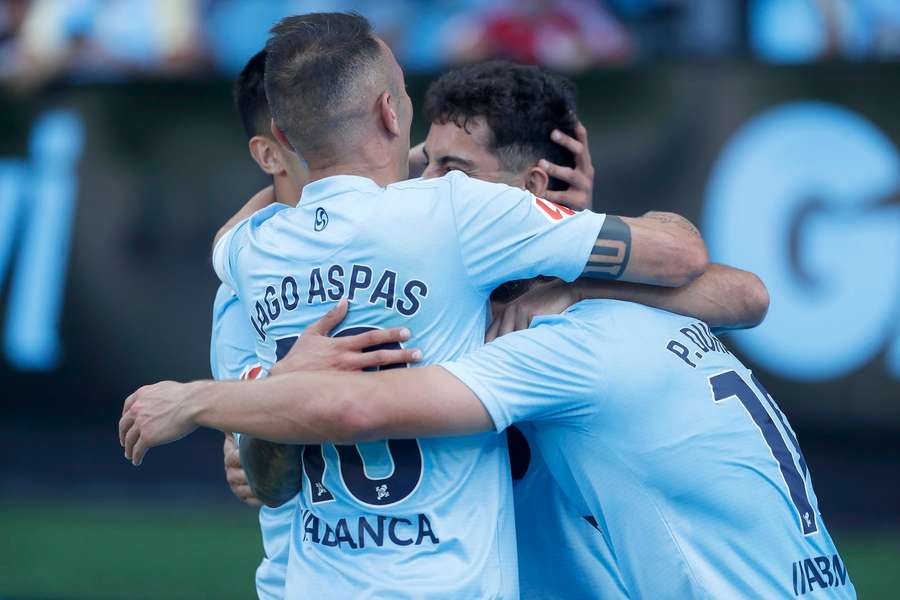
[65,551]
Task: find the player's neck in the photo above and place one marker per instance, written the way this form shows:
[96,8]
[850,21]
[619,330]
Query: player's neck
[285,190]
[372,163]
[383,177]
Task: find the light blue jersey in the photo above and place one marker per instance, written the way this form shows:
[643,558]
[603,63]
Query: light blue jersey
[232,345]
[232,353]
[429,518]
[562,554]
[688,465]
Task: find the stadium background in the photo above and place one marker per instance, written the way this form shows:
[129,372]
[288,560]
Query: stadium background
[771,124]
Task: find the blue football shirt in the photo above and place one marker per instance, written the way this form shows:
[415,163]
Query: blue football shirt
[232,352]
[562,553]
[429,518]
[686,462]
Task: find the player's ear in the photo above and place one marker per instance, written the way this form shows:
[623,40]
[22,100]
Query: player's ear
[266,155]
[536,180]
[279,135]
[389,113]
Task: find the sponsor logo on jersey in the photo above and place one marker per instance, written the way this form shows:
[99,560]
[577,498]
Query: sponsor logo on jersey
[552,212]
[367,531]
[818,573]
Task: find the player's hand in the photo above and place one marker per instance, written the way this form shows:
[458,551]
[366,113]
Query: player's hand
[417,161]
[580,179]
[316,351]
[234,473]
[154,415]
[550,298]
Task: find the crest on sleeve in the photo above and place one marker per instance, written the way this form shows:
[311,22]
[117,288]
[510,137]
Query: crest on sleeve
[552,212]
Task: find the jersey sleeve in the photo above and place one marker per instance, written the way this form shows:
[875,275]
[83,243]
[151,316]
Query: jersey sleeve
[232,344]
[236,239]
[221,256]
[546,372]
[506,233]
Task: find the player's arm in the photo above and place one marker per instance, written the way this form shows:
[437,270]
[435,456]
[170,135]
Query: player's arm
[273,470]
[504,234]
[520,377]
[668,248]
[260,200]
[723,297]
[662,249]
[305,408]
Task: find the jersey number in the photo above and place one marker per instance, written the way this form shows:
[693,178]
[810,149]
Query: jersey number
[406,455]
[729,385]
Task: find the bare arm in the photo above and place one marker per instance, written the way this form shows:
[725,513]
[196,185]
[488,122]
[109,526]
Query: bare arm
[273,469]
[306,408]
[260,200]
[661,249]
[723,297]
[344,408]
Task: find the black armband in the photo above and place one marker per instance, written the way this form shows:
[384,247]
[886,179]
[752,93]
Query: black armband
[611,252]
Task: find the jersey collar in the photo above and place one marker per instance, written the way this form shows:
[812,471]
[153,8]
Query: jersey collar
[336,184]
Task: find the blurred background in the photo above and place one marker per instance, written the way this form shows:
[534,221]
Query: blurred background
[772,124]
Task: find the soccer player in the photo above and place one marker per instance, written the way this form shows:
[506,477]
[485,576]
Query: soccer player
[494,122]
[232,343]
[540,104]
[644,417]
[503,141]
[424,254]
[231,335]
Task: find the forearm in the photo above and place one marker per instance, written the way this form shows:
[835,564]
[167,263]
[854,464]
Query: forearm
[260,200]
[295,408]
[722,297]
[273,470]
[656,249]
[341,408]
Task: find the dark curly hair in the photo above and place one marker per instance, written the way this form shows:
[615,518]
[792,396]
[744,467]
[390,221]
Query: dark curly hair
[521,104]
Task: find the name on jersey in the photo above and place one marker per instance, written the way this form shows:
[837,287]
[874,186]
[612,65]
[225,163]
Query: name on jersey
[696,343]
[354,282]
[368,531]
[819,572]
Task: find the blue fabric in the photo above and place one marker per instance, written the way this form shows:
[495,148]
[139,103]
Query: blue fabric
[430,518]
[687,464]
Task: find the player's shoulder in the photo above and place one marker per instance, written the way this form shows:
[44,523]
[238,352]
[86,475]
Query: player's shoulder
[616,325]
[268,213]
[610,311]
[260,220]
[419,184]
[463,186]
